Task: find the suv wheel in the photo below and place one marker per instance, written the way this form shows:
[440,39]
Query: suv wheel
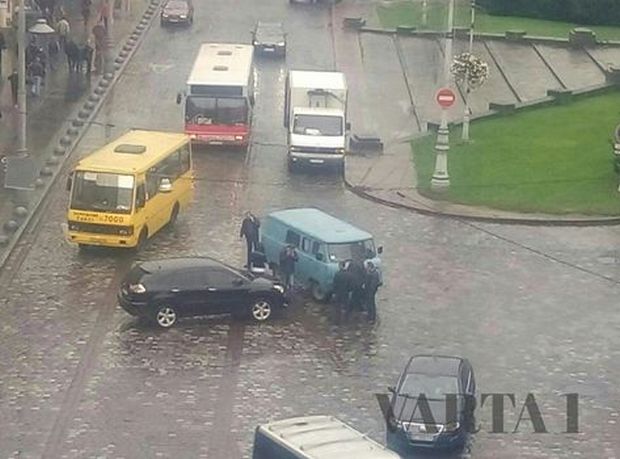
[166,316]
[261,309]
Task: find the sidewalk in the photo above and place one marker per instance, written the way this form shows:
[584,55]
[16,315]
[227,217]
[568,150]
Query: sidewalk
[62,94]
[390,178]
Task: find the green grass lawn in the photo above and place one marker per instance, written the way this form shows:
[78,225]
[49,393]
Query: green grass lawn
[554,160]
[409,13]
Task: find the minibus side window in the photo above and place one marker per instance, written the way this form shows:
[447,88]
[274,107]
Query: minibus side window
[305,245]
[292,238]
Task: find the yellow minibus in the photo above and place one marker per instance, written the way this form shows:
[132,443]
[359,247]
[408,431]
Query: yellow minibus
[127,191]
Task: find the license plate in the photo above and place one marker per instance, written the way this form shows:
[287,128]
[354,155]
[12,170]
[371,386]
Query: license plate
[420,437]
[270,49]
[317,161]
[216,142]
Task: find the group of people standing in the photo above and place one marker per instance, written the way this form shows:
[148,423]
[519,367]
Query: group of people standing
[355,284]
[355,287]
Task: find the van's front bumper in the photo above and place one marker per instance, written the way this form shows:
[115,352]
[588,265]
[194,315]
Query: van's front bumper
[306,159]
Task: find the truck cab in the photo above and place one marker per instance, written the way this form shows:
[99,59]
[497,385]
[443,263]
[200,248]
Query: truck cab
[315,118]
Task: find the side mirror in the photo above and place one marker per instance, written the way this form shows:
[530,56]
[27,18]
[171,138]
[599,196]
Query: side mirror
[319,256]
[165,186]
[69,182]
[391,389]
[179,98]
[347,126]
[380,250]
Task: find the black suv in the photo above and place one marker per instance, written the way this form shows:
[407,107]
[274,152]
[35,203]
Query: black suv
[440,380]
[165,290]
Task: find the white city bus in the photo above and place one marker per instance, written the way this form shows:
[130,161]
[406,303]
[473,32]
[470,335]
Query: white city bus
[220,95]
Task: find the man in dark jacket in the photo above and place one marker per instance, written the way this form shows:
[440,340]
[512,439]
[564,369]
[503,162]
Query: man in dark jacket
[343,283]
[358,275]
[372,282]
[250,230]
[288,258]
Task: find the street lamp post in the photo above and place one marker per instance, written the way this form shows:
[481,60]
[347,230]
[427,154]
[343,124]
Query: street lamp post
[441,179]
[22,149]
[466,115]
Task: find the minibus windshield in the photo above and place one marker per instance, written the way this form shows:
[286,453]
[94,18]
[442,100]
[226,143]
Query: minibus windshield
[351,251]
[102,192]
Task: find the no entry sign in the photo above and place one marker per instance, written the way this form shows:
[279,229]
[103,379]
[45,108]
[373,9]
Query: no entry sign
[445,97]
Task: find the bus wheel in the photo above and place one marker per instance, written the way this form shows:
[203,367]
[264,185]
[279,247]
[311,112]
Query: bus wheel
[144,235]
[174,215]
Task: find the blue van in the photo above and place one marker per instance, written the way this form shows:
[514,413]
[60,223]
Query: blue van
[322,241]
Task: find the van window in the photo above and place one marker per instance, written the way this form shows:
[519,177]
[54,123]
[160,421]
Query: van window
[316,247]
[305,245]
[292,238]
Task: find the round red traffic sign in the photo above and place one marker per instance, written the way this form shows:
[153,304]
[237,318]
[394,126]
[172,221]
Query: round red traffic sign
[445,97]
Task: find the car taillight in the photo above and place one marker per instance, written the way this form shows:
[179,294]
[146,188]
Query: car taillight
[238,137]
[136,288]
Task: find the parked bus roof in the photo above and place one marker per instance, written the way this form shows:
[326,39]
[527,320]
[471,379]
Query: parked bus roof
[153,143]
[323,80]
[226,64]
[321,226]
[325,437]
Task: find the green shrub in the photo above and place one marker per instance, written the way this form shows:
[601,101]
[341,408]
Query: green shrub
[586,12]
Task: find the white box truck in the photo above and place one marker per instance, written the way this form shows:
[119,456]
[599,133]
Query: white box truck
[315,115]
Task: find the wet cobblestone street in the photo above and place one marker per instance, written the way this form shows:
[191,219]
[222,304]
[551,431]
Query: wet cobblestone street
[533,309]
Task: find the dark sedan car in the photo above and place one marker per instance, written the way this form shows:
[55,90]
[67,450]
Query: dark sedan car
[177,12]
[165,290]
[269,38]
[435,377]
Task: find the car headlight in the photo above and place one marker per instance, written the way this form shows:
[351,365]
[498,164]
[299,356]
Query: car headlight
[164,15]
[126,231]
[183,16]
[278,288]
[281,43]
[294,149]
[136,288]
[340,151]
[452,427]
